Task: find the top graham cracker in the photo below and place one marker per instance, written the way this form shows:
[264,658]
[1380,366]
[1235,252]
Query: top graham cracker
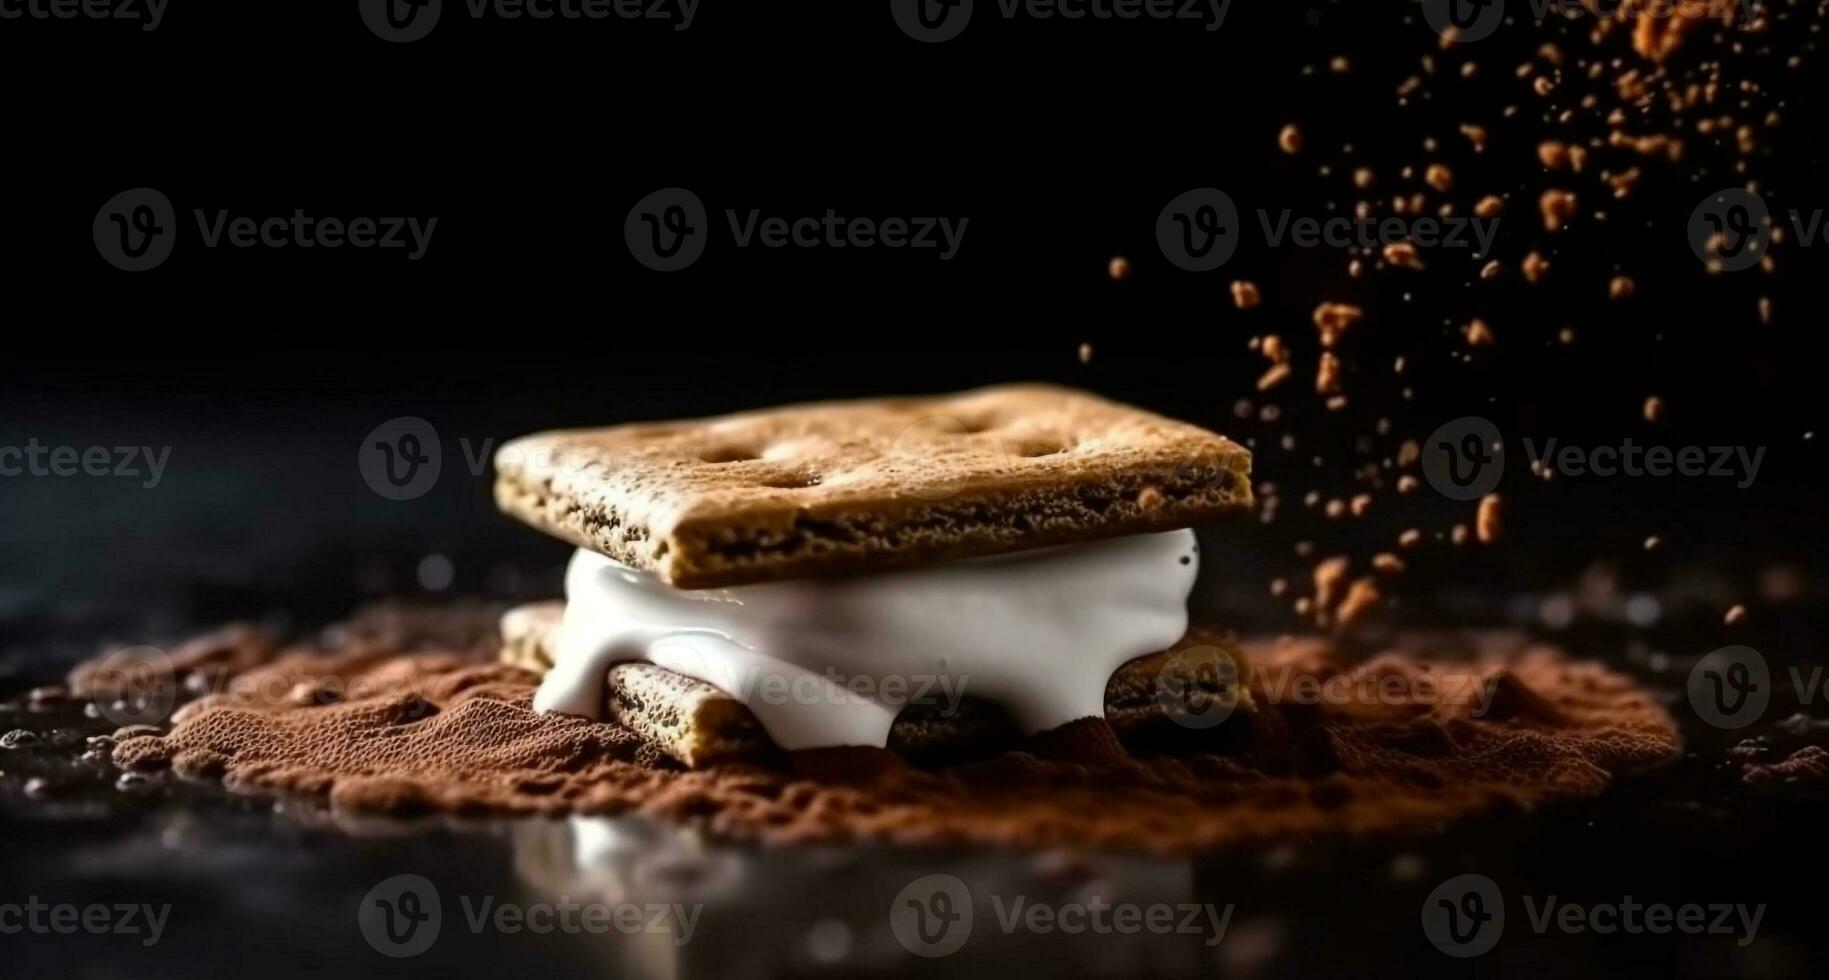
[846,487]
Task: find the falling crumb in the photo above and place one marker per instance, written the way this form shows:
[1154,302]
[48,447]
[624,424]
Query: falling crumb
[1290,139]
[1274,348]
[1361,504]
[1566,336]
[1486,522]
[1410,538]
[1360,599]
[1362,177]
[1490,206]
[1653,542]
[1332,319]
[1475,135]
[1735,616]
[1085,353]
[1118,268]
[1558,207]
[1277,374]
[1553,154]
[1403,255]
[1327,377]
[1408,484]
[1336,509]
[1622,287]
[1279,586]
[1386,563]
[1328,577]
[1245,295]
[1534,268]
[1492,270]
[1765,310]
[1458,534]
[1478,334]
[1439,177]
[1654,408]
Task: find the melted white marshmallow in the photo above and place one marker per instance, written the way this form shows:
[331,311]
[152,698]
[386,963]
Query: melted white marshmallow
[829,662]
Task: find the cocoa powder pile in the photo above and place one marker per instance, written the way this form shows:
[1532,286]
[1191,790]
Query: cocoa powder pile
[407,710]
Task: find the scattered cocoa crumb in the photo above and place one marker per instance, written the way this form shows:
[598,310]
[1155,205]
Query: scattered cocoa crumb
[1361,504]
[1490,206]
[1329,574]
[1439,177]
[1458,534]
[1486,522]
[1085,353]
[1245,295]
[1735,616]
[1653,542]
[1558,207]
[1403,255]
[1622,287]
[1478,334]
[1290,139]
[1277,374]
[1360,599]
[1410,538]
[1332,319]
[1534,268]
[1387,563]
[1327,378]
[1654,408]
[1408,484]
[1118,268]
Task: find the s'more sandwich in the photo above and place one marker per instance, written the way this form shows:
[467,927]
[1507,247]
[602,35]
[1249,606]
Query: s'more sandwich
[903,572]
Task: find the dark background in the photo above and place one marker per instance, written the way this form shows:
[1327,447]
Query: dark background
[263,369]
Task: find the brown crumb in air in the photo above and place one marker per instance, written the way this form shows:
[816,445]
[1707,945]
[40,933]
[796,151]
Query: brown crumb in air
[1765,310]
[1478,334]
[1118,268]
[1332,319]
[1386,563]
[1458,534]
[1290,139]
[1439,177]
[1277,374]
[1653,542]
[1361,598]
[1487,521]
[1534,268]
[1622,287]
[1085,353]
[1735,616]
[1327,377]
[1403,255]
[1490,206]
[1410,538]
[1654,408]
[1329,575]
[1408,483]
[1558,207]
[1362,503]
[1274,349]
[1245,295]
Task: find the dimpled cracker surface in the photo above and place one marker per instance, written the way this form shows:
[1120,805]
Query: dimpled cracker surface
[401,719]
[853,486]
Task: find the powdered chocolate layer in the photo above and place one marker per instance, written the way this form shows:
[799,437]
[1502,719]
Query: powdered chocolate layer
[410,712]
